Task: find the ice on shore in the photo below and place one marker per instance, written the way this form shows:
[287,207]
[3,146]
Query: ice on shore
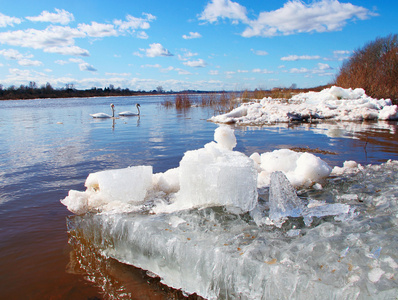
[205,228]
[333,103]
[214,175]
[222,255]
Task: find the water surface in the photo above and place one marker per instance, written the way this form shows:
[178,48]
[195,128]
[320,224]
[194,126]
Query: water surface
[48,147]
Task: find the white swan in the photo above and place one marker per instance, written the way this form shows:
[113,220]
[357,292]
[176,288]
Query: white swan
[103,115]
[130,113]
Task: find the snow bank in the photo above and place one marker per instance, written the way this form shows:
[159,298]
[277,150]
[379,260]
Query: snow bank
[214,175]
[332,103]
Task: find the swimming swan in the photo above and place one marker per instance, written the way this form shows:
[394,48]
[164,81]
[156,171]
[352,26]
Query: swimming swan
[130,113]
[103,115]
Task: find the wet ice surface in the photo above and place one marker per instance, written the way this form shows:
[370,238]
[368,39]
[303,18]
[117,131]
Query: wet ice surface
[335,241]
[218,254]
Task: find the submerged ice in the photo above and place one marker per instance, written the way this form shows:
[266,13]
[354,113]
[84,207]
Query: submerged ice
[225,225]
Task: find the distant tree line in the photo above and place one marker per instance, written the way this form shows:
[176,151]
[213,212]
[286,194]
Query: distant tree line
[373,68]
[32,91]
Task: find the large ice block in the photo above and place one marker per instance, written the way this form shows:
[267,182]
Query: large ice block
[112,188]
[214,176]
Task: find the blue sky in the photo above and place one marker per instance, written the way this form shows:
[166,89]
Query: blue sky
[185,44]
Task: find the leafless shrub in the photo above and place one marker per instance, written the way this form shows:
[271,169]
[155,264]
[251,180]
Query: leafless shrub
[373,68]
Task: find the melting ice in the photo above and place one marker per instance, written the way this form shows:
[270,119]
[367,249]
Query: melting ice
[332,103]
[227,226]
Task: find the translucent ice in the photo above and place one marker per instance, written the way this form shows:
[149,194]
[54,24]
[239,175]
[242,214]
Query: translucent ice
[222,255]
[283,200]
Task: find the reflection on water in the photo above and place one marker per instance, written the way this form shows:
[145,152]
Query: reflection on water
[48,147]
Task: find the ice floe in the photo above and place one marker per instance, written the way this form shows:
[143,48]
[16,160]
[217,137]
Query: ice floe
[333,103]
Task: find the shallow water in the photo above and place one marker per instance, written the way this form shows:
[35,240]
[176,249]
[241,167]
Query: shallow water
[48,147]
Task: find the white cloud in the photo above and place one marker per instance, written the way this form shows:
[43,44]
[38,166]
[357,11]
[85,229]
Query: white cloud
[224,9]
[214,72]
[192,35]
[200,63]
[320,70]
[296,17]
[324,67]
[87,67]
[262,71]
[155,50]
[300,57]
[61,62]
[8,21]
[52,39]
[68,50]
[341,55]
[151,66]
[118,74]
[76,60]
[259,52]
[187,55]
[142,35]
[133,23]
[12,54]
[60,16]
[29,63]
[23,60]
[182,71]
[98,30]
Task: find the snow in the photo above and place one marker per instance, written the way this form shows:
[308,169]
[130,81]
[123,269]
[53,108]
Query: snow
[225,226]
[333,103]
[302,169]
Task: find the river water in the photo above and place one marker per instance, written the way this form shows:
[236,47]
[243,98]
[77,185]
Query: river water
[48,147]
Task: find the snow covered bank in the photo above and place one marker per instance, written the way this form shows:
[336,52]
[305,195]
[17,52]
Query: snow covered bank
[214,175]
[333,103]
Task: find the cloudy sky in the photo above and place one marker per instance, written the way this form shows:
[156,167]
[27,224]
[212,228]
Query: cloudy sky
[185,44]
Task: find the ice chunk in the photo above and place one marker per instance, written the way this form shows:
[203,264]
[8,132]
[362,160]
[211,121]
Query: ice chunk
[225,137]
[76,202]
[124,185]
[215,176]
[105,188]
[302,169]
[283,200]
[167,182]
